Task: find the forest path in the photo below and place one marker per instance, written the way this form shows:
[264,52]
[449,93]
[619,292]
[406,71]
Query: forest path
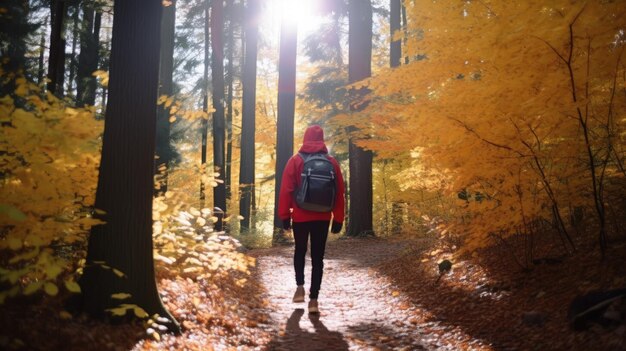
[360,307]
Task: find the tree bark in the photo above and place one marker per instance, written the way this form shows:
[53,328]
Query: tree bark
[359,55]
[125,181]
[217,70]
[247,166]
[164,150]
[286,109]
[56,57]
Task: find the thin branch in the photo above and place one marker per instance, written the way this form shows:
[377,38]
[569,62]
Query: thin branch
[471,130]
[553,49]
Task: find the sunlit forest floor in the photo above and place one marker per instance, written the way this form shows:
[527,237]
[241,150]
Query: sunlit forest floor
[377,294]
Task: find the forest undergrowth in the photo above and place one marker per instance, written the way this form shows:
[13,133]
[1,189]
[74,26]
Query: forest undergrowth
[484,303]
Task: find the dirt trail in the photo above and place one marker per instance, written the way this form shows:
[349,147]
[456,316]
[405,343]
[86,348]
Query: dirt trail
[360,308]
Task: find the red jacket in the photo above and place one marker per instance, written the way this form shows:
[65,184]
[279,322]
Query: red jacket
[313,143]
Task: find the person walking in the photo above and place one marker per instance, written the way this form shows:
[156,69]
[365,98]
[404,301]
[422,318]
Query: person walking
[313,222]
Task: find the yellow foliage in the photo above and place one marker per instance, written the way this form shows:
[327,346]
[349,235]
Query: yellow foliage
[186,245]
[49,159]
[486,106]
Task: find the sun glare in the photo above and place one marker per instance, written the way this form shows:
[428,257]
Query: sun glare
[301,12]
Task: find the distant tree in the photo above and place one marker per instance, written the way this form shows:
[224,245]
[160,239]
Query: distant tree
[164,149]
[89,53]
[359,67]
[56,55]
[120,254]
[16,27]
[205,99]
[247,167]
[286,107]
[395,48]
[219,127]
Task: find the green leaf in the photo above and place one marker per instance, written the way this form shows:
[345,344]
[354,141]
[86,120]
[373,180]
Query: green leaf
[51,289]
[120,296]
[72,286]
[12,212]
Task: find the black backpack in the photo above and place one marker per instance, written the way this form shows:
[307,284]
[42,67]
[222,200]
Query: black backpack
[318,188]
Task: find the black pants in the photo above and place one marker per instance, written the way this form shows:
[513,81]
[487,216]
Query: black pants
[318,230]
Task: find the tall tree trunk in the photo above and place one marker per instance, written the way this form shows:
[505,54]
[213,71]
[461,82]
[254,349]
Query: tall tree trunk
[89,55]
[42,48]
[205,101]
[164,150]
[72,60]
[230,78]
[248,119]
[286,108]
[56,57]
[125,181]
[217,71]
[395,49]
[359,55]
[405,27]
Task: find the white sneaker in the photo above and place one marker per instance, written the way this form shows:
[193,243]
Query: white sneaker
[299,295]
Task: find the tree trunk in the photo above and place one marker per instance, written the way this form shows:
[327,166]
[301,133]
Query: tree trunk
[248,119]
[217,70]
[42,48]
[230,78]
[72,61]
[359,55]
[125,181]
[164,150]
[56,57]
[205,102]
[395,49]
[286,108]
[88,57]
[405,27]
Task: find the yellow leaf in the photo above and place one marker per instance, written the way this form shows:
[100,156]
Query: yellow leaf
[140,312]
[22,90]
[52,271]
[156,336]
[14,243]
[32,287]
[120,296]
[51,289]
[65,315]
[161,99]
[395,293]
[72,286]
[118,311]
[118,273]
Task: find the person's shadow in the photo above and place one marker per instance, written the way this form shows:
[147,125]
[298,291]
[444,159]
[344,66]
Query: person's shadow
[297,339]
